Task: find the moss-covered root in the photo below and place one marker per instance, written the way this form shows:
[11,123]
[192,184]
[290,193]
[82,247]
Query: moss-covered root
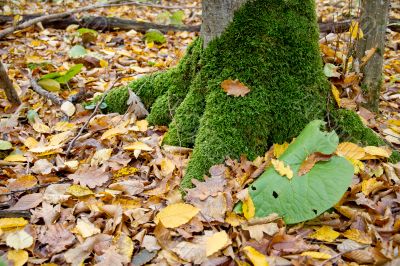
[160,92]
[271,47]
[184,126]
[350,128]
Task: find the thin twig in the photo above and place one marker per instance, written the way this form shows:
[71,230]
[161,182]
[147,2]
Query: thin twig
[72,143]
[35,87]
[34,21]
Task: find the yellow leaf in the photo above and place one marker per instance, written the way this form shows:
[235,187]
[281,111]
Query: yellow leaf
[23,182]
[248,208]
[279,149]
[125,172]
[86,228]
[63,126]
[36,43]
[103,63]
[40,127]
[112,132]
[176,215]
[30,143]
[19,240]
[233,219]
[355,31]
[60,138]
[8,223]
[125,246]
[357,164]
[282,169]
[50,85]
[376,152]
[367,186]
[256,258]
[167,166]
[142,125]
[216,242]
[101,156]
[350,151]
[15,158]
[18,257]
[79,191]
[325,233]
[336,95]
[358,236]
[316,255]
[138,146]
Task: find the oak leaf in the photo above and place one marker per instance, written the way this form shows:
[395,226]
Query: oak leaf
[235,88]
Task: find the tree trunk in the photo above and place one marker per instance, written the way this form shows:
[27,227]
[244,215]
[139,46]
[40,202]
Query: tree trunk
[271,46]
[374,20]
[8,87]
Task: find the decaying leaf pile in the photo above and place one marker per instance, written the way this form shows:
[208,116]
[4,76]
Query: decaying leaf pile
[115,199]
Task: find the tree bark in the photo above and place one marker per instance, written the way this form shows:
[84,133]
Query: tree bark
[374,20]
[6,84]
[217,15]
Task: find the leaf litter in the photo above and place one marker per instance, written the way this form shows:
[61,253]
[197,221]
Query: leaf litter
[116,199]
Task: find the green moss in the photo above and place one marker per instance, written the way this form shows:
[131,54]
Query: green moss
[350,128]
[162,92]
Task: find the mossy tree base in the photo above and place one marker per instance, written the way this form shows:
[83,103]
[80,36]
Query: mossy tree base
[271,47]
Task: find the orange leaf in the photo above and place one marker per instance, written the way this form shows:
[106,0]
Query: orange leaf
[234,88]
[311,160]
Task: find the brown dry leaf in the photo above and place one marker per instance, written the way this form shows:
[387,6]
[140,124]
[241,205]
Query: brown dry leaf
[42,166]
[235,88]
[311,160]
[111,257]
[28,201]
[257,231]
[90,176]
[130,187]
[85,228]
[56,238]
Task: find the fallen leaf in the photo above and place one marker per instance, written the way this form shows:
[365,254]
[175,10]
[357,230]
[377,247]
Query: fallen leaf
[56,238]
[256,258]
[248,207]
[316,255]
[23,182]
[216,242]
[336,95]
[325,233]
[235,88]
[138,146]
[376,152]
[279,149]
[42,166]
[101,156]
[79,191]
[18,257]
[358,236]
[355,31]
[369,185]
[9,223]
[350,151]
[176,215]
[311,160]
[90,176]
[28,201]
[19,240]
[282,169]
[86,228]
[68,108]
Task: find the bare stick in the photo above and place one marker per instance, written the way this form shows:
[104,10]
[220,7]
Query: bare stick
[72,143]
[34,21]
[35,87]
[6,83]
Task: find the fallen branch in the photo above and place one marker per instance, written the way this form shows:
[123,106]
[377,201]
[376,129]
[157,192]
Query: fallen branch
[50,17]
[109,23]
[15,214]
[83,128]
[6,84]
[51,96]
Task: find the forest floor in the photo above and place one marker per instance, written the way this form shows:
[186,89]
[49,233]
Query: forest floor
[102,202]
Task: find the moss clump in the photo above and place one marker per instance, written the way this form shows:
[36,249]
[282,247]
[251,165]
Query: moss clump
[161,92]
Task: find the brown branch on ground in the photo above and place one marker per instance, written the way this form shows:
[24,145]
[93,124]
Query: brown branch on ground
[6,84]
[83,128]
[62,15]
[36,87]
[15,214]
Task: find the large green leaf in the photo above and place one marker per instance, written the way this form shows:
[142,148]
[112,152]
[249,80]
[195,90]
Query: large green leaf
[303,197]
[155,36]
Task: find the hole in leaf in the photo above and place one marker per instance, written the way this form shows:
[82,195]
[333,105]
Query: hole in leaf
[253,188]
[275,194]
[315,211]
